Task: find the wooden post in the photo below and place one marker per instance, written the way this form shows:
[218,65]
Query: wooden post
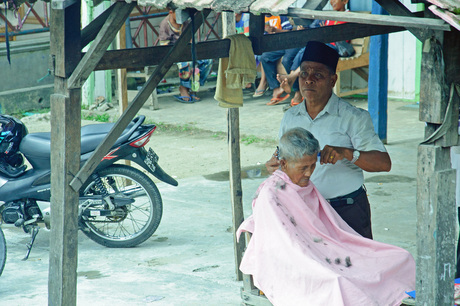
[65,157]
[256,32]
[148,70]
[122,83]
[436,209]
[236,190]
[138,101]
[378,79]
[122,79]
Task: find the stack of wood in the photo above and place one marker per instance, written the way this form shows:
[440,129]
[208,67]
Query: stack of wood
[448,10]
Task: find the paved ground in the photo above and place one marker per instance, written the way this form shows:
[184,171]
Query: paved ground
[189,260]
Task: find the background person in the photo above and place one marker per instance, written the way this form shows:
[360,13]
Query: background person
[277,24]
[345,133]
[288,82]
[168,34]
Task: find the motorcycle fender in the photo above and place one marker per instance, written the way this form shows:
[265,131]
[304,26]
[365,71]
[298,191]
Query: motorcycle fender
[149,161]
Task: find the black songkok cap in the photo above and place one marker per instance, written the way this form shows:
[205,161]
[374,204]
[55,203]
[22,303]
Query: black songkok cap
[316,51]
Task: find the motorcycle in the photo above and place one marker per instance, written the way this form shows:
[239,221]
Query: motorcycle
[2,251]
[119,205]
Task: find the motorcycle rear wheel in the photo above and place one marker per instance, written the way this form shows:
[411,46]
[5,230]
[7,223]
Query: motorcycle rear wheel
[140,219]
[2,251]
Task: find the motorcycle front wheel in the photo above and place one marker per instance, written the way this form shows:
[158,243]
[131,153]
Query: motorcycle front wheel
[2,251]
[132,224]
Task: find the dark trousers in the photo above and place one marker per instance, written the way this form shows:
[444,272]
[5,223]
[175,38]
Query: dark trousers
[269,60]
[357,215]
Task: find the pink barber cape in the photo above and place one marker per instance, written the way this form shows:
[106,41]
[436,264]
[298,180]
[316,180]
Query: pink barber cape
[302,253]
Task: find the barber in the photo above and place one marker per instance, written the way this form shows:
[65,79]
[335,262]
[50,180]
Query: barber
[345,133]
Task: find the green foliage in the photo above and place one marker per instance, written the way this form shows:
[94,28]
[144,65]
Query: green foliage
[96,117]
[23,114]
[251,139]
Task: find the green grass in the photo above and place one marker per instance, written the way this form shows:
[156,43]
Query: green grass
[176,128]
[96,117]
[23,114]
[251,139]
[190,129]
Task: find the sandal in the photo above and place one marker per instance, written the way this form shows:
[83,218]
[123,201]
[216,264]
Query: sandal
[278,100]
[195,98]
[293,103]
[249,90]
[259,93]
[182,99]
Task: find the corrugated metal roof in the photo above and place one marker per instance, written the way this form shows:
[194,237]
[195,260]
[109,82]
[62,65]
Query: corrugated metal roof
[275,7]
[448,10]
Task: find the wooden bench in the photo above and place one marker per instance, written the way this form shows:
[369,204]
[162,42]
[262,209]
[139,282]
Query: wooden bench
[356,63]
[250,294]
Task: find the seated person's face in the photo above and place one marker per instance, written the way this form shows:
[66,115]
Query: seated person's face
[338,5]
[301,170]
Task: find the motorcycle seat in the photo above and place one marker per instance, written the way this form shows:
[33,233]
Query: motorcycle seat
[38,145]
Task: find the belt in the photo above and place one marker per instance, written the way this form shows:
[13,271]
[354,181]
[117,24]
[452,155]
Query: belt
[347,199]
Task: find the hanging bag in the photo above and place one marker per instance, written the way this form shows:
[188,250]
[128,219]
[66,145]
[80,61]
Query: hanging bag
[344,48]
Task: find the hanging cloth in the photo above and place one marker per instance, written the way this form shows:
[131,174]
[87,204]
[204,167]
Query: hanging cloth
[235,72]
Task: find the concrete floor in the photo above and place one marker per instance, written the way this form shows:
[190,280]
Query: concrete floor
[189,260]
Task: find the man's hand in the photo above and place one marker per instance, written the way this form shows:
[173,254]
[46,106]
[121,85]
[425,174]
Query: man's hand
[272,165]
[331,155]
[370,161]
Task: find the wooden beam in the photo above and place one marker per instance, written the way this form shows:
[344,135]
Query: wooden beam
[122,81]
[65,157]
[89,33]
[316,5]
[150,56]
[256,33]
[138,101]
[452,56]
[399,21]
[236,190]
[436,209]
[103,39]
[398,9]
[436,234]
[63,43]
[435,89]
[340,32]
[141,57]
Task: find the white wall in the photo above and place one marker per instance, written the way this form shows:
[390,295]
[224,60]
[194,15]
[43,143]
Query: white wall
[401,65]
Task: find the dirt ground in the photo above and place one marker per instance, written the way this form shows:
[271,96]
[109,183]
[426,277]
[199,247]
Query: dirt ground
[189,260]
[191,142]
[185,149]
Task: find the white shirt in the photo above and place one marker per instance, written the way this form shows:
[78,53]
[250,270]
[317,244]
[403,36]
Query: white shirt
[339,124]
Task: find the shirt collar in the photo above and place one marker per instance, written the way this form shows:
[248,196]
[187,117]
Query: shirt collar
[332,107]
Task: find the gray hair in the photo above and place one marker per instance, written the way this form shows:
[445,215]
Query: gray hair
[296,143]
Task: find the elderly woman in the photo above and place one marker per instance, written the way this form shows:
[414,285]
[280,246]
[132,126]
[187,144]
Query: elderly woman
[301,251]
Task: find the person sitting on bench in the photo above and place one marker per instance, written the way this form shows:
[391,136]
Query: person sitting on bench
[301,252]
